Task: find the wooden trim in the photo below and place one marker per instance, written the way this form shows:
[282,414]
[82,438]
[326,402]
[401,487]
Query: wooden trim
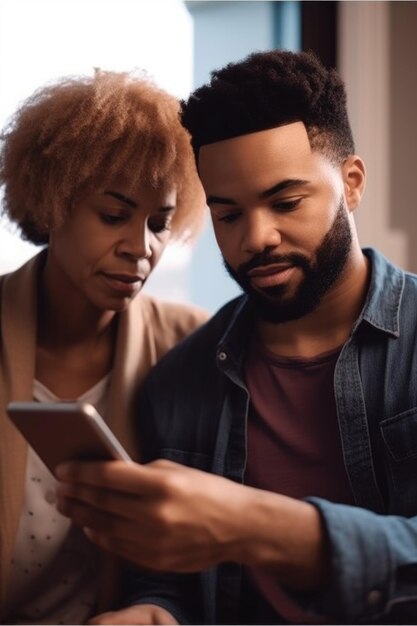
[319,30]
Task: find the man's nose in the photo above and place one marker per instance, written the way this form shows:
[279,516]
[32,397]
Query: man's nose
[261,232]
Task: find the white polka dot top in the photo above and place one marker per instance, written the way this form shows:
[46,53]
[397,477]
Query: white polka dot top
[54,566]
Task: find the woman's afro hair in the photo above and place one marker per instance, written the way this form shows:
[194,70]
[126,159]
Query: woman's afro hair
[269,89]
[75,134]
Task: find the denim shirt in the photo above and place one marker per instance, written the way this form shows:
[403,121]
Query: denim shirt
[194,411]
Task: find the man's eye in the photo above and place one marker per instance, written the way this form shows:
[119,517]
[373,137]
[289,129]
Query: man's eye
[229,217]
[285,206]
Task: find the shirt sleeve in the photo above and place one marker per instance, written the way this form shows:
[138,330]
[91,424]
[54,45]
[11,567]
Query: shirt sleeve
[374,565]
[179,594]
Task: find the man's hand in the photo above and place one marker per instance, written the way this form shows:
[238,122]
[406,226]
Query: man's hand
[168,517]
[138,614]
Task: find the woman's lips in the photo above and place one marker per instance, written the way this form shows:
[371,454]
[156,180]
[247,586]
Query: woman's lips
[123,283]
[270,276]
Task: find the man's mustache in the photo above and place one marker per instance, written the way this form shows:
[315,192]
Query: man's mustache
[264,259]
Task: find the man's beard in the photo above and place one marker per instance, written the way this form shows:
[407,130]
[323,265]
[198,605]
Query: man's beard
[271,303]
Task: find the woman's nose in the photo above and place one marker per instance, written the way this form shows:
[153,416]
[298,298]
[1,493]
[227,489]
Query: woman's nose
[136,245]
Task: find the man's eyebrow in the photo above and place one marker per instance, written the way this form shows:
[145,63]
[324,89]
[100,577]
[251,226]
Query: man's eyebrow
[119,196]
[281,186]
[284,184]
[219,200]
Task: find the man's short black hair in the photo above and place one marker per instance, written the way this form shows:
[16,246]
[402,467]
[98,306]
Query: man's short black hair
[270,89]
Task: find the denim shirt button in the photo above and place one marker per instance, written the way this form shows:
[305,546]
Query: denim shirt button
[222,356]
[374,597]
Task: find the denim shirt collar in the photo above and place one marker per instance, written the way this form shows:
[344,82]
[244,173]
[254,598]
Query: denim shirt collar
[383,302]
[381,310]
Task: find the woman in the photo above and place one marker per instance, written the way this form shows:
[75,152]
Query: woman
[100,171]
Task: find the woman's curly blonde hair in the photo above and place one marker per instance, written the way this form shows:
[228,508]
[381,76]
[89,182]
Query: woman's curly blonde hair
[73,135]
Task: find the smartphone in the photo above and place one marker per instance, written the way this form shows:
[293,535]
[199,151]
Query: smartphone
[66,431]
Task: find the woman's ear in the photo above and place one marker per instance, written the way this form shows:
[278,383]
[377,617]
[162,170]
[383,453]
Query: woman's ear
[354,176]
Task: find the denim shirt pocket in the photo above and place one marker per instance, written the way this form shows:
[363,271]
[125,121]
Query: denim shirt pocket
[399,434]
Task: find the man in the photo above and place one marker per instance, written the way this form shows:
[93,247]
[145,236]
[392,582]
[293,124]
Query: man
[301,395]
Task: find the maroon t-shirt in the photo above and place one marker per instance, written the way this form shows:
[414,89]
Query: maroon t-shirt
[294,445]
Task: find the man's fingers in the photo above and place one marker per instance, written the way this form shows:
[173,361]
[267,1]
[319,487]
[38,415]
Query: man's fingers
[120,503]
[148,543]
[116,475]
[122,522]
[115,521]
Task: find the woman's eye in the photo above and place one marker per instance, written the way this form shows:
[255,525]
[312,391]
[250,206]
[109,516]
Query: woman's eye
[111,218]
[285,206]
[160,227]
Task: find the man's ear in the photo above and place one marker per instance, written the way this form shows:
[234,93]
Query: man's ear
[354,176]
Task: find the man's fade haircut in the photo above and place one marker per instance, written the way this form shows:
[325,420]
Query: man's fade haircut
[75,134]
[270,89]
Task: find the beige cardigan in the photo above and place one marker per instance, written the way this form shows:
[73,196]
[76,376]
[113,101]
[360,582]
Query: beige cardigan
[146,331]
